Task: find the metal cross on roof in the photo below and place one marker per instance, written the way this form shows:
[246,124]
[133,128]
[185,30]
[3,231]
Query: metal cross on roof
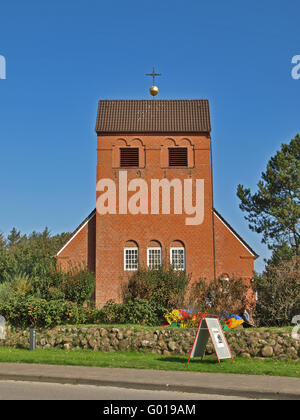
[153,74]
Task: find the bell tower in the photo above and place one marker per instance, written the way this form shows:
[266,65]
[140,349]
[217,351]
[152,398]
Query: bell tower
[163,148]
[154,198]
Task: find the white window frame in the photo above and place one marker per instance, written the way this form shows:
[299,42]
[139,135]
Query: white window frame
[148,256]
[176,248]
[125,261]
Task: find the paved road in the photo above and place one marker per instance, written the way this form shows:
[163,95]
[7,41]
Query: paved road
[199,383]
[13,390]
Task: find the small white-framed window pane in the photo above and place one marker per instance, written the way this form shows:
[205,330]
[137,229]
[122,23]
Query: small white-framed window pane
[131,259]
[154,258]
[177,256]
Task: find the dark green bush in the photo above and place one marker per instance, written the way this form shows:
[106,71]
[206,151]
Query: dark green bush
[29,311]
[278,291]
[135,311]
[77,284]
[165,286]
[31,255]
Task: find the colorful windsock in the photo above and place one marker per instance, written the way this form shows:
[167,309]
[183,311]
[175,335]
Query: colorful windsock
[234,321]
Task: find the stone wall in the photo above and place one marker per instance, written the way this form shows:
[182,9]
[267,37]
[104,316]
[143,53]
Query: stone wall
[259,343]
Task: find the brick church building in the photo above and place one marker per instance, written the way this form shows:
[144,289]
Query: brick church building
[139,141]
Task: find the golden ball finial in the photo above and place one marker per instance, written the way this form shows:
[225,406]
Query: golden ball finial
[153,90]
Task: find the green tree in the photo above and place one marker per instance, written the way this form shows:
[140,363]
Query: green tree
[2,241]
[8,265]
[281,253]
[15,238]
[31,255]
[278,291]
[274,210]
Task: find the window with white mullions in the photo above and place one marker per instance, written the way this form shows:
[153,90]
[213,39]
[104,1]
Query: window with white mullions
[177,258]
[131,259]
[154,258]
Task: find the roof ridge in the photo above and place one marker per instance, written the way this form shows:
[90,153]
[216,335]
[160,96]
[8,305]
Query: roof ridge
[153,100]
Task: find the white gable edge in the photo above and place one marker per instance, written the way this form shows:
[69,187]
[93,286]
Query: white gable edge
[234,234]
[75,234]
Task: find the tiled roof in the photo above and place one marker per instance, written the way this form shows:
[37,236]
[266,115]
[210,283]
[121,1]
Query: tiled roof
[153,116]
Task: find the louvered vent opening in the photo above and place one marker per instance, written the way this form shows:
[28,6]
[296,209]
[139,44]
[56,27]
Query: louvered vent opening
[129,157]
[178,156]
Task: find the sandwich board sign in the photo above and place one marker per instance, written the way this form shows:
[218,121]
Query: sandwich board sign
[210,327]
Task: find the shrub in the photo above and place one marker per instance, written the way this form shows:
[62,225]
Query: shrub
[164,286]
[219,295]
[5,291]
[54,293]
[29,311]
[30,254]
[278,292]
[15,284]
[135,311]
[8,265]
[77,284]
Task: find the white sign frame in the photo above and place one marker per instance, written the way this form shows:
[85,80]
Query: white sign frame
[210,327]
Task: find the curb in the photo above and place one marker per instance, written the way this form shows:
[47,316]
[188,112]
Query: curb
[249,393]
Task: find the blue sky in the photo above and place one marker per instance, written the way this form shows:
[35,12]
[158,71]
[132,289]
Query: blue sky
[63,56]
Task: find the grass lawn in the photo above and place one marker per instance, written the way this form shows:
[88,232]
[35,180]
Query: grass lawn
[138,360]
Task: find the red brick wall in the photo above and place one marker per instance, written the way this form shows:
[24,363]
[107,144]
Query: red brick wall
[113,231]
[81,248]
[233,258]
[100,242]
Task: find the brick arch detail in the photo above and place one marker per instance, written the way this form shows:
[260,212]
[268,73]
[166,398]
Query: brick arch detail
[170,142]
[177,243]
[131,243]
[154,243]
[122,142]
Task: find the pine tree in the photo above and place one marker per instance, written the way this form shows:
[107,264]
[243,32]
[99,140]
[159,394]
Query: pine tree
[274,210]
[2,241]
[14,238]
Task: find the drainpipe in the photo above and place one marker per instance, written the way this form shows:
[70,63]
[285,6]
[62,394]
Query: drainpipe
[212,208]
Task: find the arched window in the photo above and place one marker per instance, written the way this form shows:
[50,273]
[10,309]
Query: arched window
[131,256]
[128,153]
[177,153]
[154,255]
[177,255]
